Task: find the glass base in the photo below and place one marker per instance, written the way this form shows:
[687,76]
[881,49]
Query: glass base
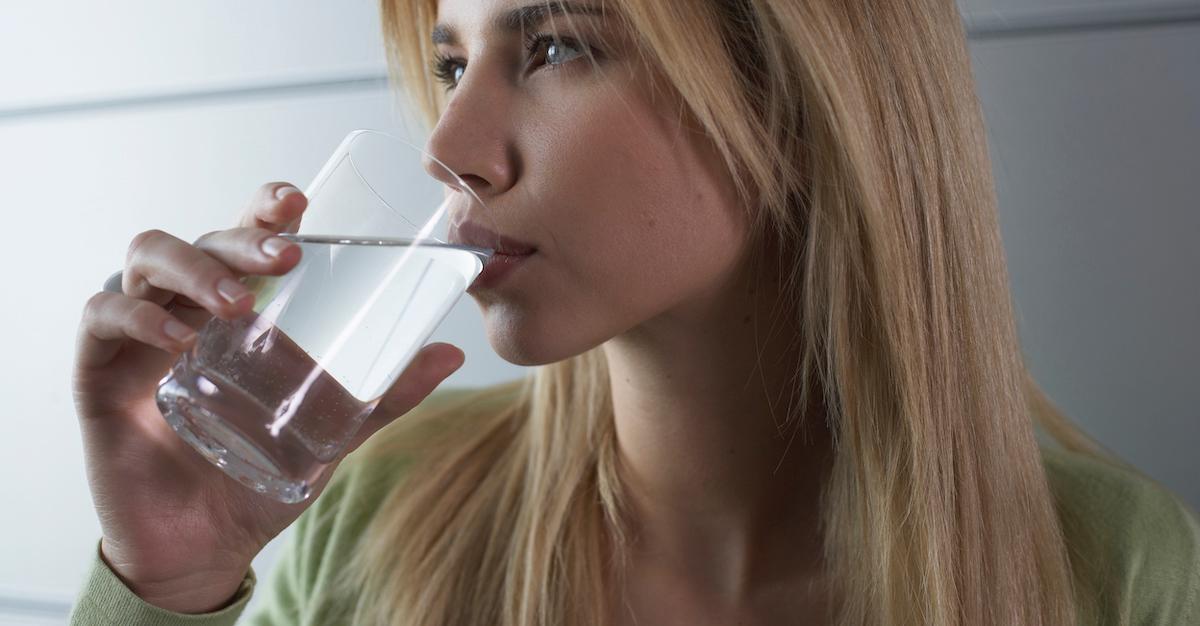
[227,448]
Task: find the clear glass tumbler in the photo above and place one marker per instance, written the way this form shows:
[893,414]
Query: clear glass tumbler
[274,396]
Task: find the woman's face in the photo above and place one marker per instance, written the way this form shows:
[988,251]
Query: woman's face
[632,213]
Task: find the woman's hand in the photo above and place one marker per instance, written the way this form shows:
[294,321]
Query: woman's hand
[176,529]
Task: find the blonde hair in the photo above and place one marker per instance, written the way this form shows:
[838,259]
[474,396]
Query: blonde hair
[855,127]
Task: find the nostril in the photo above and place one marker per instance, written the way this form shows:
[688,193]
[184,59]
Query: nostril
[476,183]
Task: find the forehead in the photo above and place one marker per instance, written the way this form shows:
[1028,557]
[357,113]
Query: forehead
[459,18]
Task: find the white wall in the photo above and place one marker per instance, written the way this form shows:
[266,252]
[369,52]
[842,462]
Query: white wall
[121,116]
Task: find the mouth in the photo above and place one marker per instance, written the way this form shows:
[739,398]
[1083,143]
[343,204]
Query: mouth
[507,253]
[474,234]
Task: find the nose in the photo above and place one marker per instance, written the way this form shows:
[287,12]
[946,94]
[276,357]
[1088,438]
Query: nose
[472,138]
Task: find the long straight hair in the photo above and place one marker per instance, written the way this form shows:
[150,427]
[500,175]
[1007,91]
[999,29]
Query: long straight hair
[855,136]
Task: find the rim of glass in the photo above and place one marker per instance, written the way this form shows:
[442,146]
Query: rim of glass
[483,253]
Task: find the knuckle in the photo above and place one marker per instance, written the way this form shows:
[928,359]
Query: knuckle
[137,245]
[94,307]
[139,284]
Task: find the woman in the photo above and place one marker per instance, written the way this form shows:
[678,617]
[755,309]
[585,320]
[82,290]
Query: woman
[779,376]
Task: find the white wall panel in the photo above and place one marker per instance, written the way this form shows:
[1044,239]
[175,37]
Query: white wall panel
[51,52]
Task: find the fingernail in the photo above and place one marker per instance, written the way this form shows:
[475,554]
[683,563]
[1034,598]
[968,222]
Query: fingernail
[232,290]
[285,191]
[178,331]
[274,246]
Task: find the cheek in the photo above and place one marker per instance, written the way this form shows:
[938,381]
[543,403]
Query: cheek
[643,208]
[635,217]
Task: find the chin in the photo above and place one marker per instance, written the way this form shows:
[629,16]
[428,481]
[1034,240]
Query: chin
[522,339]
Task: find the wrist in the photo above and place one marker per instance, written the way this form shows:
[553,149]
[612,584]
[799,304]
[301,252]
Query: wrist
[203,596]
[191,592]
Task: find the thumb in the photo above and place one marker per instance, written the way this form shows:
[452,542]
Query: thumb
[432,365]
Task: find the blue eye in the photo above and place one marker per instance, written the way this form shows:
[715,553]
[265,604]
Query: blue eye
[556,49]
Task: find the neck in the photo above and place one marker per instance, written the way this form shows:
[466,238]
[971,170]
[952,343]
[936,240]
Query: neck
[719,486]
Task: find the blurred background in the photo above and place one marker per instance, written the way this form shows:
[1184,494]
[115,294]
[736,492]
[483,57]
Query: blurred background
[126,115]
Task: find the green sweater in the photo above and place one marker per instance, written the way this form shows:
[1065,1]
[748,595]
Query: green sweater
[1136,548]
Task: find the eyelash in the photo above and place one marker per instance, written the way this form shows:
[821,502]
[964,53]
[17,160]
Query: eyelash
[444,66]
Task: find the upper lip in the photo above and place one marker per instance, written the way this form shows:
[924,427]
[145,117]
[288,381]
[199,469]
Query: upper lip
[474,234]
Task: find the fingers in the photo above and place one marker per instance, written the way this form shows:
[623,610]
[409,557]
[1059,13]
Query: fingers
[160,265]
[432,365]
[276,207]
[109,319]
[251,250]
[161,269]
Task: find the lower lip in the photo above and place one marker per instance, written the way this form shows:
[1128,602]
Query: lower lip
[497,269]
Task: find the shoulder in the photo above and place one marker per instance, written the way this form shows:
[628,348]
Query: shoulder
[1134,546]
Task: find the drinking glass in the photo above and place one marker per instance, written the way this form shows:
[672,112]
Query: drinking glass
[274,396]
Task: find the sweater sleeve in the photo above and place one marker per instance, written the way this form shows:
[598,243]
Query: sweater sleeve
[104,600]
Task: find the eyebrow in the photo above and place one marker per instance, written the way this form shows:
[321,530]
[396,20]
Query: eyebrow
[520,19]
